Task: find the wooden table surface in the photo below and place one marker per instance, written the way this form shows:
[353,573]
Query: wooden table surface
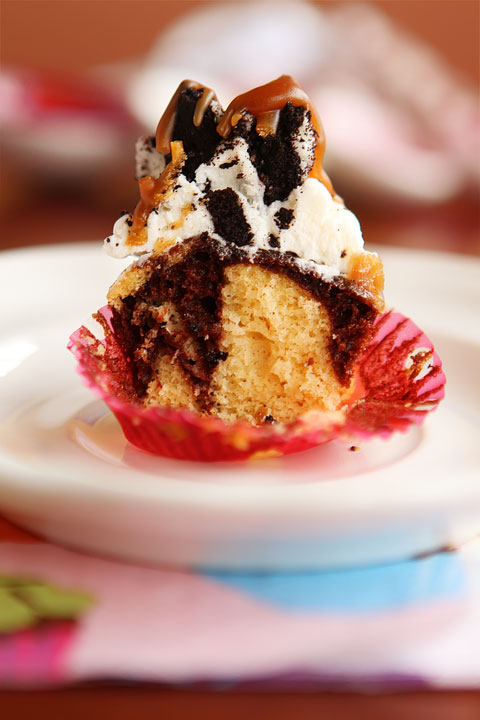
[454,228]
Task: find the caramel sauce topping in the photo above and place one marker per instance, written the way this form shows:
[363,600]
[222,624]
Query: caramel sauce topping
[366,271]
[267,123]
[167,121]
[152,192]
[264,103]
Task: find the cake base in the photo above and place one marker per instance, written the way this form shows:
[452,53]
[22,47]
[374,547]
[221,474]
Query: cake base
[204,327]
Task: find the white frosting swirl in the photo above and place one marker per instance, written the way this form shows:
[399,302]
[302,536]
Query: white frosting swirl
[321,232]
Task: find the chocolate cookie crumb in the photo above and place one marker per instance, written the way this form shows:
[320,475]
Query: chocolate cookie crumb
[283,218]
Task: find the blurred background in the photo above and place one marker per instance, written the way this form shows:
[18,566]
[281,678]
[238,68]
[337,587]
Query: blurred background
[395,83]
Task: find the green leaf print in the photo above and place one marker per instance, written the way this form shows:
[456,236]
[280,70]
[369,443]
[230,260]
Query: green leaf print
[24,602]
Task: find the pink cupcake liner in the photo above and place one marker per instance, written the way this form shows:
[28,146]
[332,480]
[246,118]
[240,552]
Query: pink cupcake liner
[398,381]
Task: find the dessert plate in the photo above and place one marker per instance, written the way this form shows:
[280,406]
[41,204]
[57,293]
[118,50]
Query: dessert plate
[67,472]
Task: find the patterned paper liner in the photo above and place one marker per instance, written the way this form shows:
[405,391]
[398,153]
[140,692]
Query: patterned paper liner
[398,381]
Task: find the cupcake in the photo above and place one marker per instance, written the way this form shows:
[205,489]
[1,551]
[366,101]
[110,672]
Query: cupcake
[243,324]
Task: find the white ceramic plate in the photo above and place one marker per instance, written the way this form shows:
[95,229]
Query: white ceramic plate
[67,472]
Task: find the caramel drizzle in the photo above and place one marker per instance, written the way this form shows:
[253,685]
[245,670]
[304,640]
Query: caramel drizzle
[265,103]
[152,192]
[167,121]
[366,271]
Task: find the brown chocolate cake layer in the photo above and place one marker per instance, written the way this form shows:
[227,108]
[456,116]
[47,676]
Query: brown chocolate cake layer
[274,156]
[200,142]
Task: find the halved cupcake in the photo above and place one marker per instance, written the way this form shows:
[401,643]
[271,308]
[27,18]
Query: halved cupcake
[253,299]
